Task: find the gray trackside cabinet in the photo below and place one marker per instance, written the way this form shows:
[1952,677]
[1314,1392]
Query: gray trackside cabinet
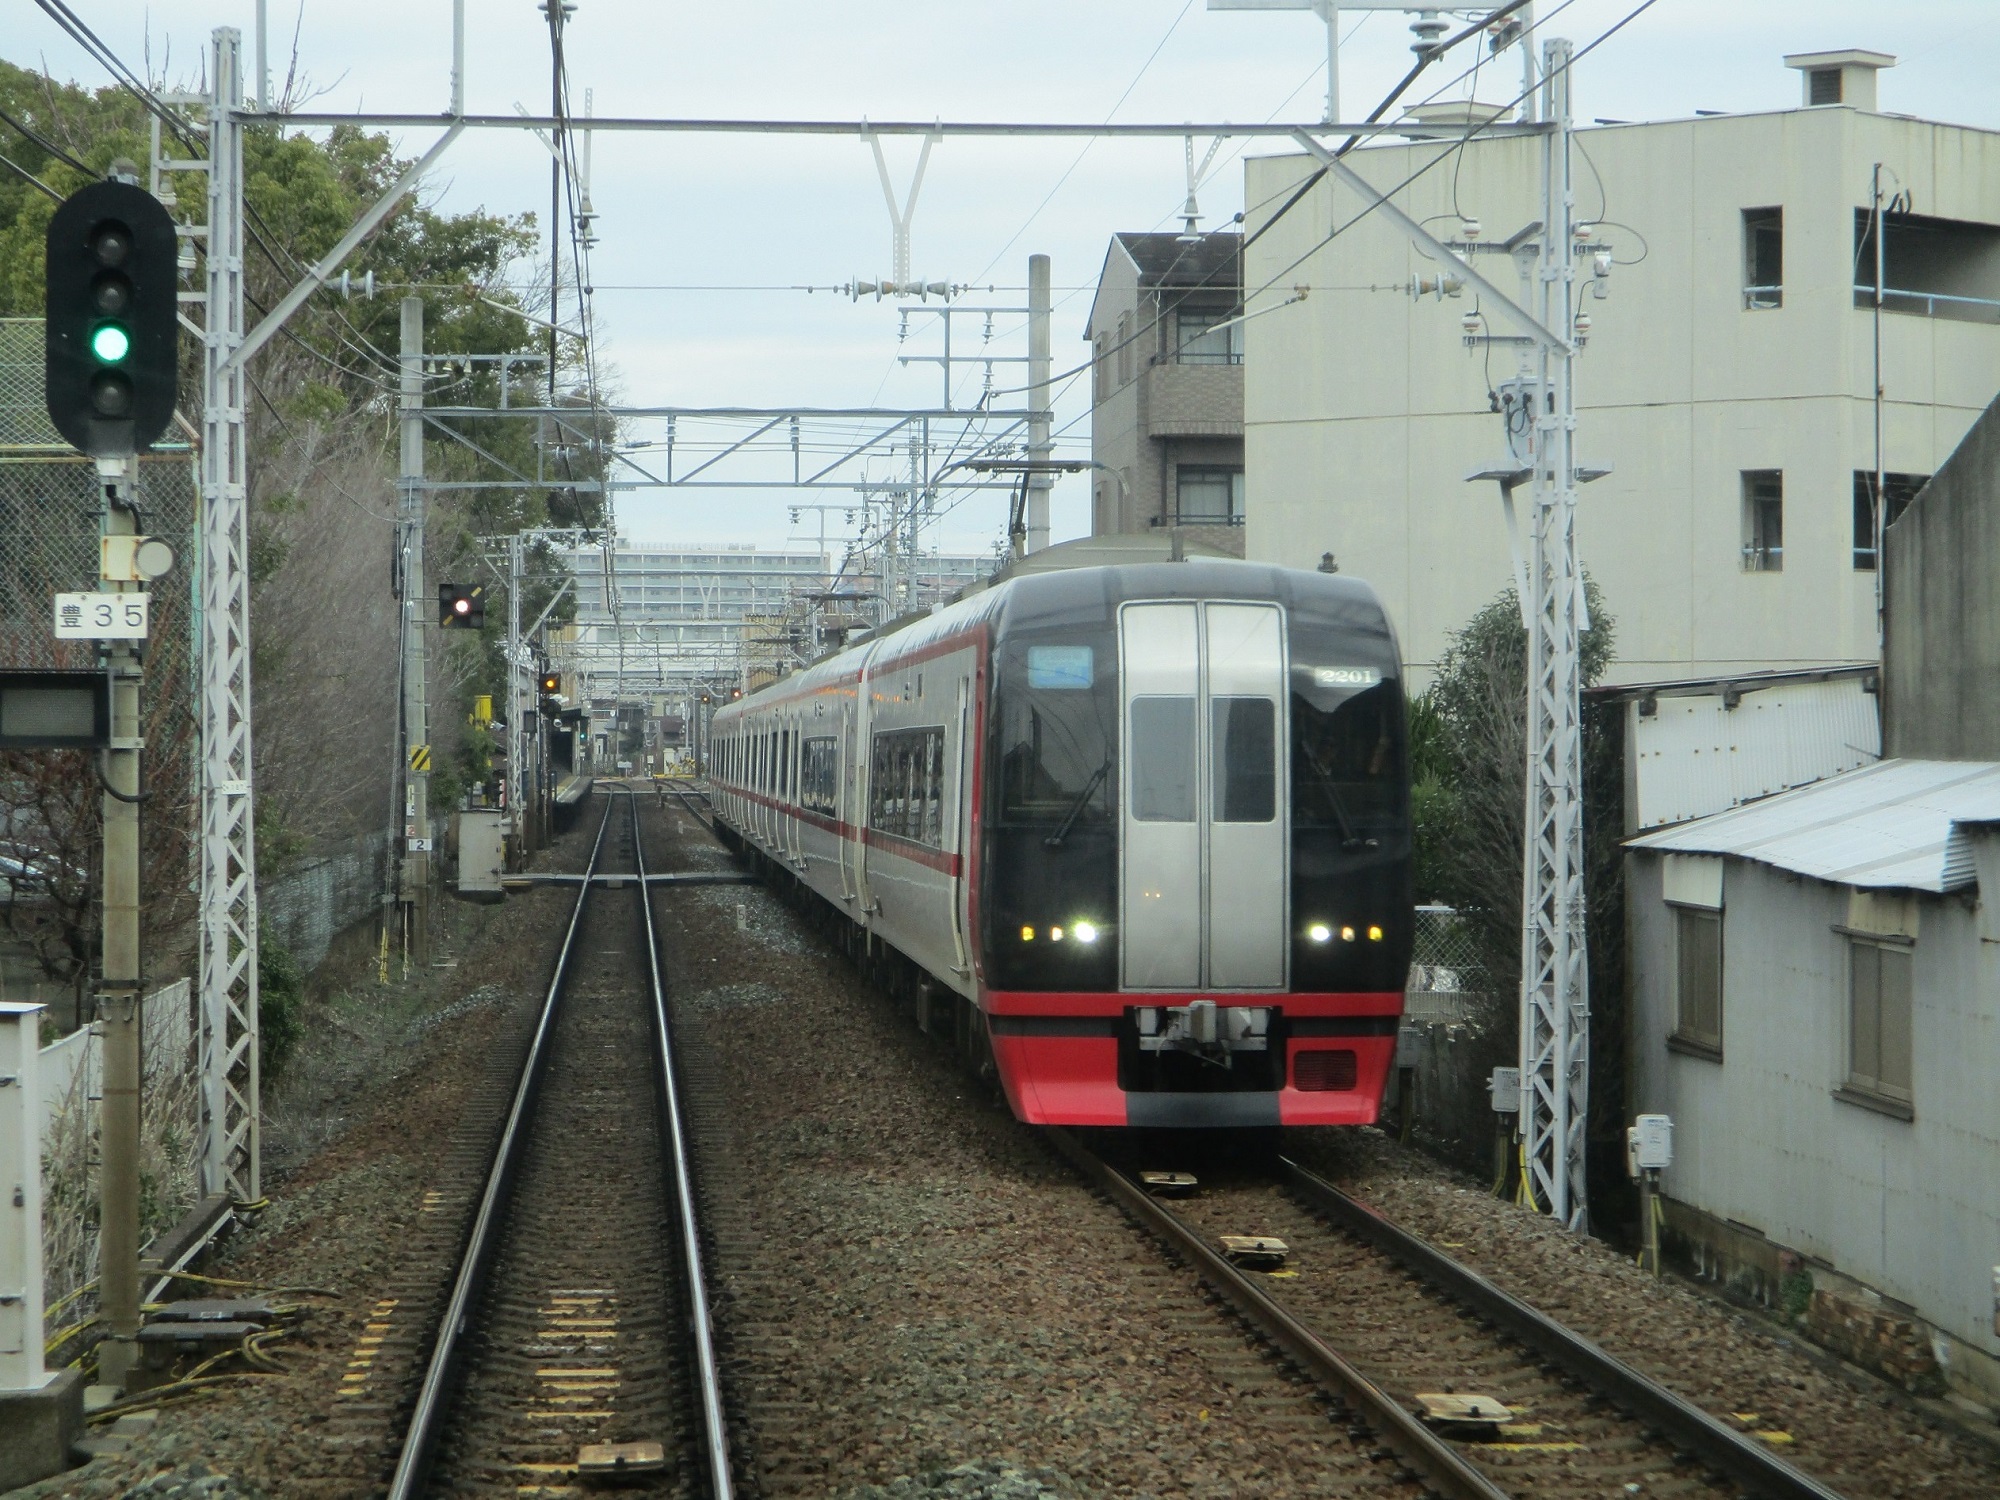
[482,852]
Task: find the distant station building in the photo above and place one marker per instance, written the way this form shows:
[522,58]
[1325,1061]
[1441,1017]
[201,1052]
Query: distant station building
[1727,383]
[1167,388]
[1815,976]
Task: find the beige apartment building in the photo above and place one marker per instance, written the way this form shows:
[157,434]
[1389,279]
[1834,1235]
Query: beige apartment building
[1727,384]
[1166,415]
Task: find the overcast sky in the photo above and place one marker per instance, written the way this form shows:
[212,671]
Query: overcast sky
[683,213]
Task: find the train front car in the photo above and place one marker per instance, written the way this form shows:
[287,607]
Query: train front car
[1194,899]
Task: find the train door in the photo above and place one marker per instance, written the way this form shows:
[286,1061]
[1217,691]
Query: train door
[1203,883]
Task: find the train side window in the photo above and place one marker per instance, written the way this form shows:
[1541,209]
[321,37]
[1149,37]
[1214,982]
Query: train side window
[1163,759]
[1245,755]
[906,795]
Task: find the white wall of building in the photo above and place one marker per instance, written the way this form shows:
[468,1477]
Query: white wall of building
[1364,409]
[1908,1207]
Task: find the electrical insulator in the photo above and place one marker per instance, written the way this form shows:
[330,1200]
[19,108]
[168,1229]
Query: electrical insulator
[1470,322]
[1469,228]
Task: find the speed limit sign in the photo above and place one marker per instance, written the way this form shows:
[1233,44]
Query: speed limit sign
[101,617]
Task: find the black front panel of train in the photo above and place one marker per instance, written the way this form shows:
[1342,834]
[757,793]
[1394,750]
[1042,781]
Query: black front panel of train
[1352,913]
[1049,875]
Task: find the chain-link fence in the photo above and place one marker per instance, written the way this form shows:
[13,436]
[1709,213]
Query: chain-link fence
[50,807]
[1447,980]
[312,903]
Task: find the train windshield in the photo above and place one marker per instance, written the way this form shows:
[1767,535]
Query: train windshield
[1057,711]
[1347,732]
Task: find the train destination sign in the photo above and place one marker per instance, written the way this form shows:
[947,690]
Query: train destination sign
[101,617]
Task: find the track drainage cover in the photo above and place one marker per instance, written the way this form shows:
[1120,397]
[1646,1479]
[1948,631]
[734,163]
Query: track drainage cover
[1463,1415]
[615,1460]
[1255,1252]
[1168,1184]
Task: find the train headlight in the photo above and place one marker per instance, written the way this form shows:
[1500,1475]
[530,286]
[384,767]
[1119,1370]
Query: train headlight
[1027,934]
[1084,932]
[1319,932]
[1055,934]
[1374,934]
[1347,934]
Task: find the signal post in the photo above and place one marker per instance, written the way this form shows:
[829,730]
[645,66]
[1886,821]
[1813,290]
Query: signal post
[111,351]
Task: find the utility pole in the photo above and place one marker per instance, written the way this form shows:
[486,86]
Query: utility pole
[1039,444]
[119,976]
[1555,971]
[415,618]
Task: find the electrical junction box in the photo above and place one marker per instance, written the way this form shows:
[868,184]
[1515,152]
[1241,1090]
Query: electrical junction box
[482,852]
[1653,1142]
[1505,1087]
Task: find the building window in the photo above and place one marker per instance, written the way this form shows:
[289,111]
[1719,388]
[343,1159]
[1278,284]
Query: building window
[1124,347]
[1698,979]
[1901,488]
[1208,495]
[1763,257]
[1102,362]
[1878,1054]
[1202,338]
[1763,521]
[1932,268]
[1823,86]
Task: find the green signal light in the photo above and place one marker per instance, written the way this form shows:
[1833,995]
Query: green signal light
[111,344]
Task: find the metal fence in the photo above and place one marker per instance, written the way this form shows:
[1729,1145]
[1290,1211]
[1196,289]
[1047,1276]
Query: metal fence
[307,907]
[1447,981]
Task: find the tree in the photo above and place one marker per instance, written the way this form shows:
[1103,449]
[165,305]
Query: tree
[1469,769]
[323,497]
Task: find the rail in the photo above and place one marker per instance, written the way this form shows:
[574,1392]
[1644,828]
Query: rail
[1435,1460]
[448,1354]
[715,1434]
[1723,1448]
[420,1441]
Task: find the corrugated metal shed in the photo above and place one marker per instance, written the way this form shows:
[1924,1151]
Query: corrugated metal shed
[1697,754]
[1895,825]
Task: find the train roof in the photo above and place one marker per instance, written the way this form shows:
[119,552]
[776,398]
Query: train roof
[1081,581]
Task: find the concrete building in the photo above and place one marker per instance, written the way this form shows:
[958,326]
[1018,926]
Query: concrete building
[1166,414]
[1942,657]
[1814,1002]
[1815,976]
[1727,383]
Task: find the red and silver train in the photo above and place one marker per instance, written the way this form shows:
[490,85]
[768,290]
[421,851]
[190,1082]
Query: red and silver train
[1145,827]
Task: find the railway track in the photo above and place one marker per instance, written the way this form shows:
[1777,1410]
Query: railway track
[577,1344]
[1383,1318]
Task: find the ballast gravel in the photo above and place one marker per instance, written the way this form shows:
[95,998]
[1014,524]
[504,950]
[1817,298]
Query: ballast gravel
[1846,1428]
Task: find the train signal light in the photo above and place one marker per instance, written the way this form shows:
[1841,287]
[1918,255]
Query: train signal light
[461,608]
[111,336]
[552,682]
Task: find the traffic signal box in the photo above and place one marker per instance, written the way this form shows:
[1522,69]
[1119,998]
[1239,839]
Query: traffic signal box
[552,682]
[461,608]
[111,330]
